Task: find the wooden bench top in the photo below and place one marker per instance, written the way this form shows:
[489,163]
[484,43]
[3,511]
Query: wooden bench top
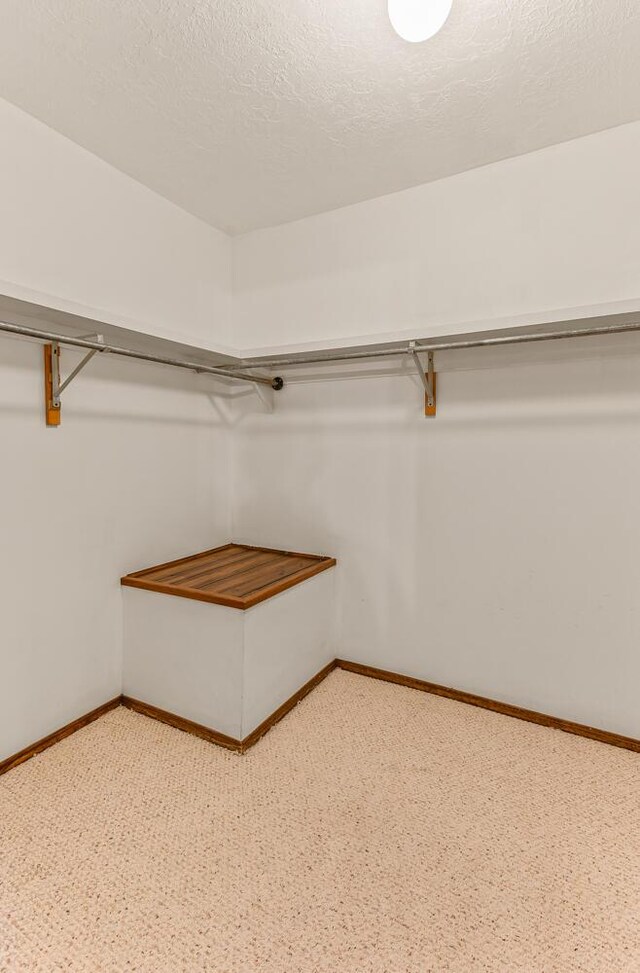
[235,575]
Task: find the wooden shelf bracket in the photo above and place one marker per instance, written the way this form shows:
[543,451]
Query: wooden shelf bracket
[53,387]
[427,378]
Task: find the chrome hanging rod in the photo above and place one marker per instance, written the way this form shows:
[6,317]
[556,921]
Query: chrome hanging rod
[316,358]
[96,345]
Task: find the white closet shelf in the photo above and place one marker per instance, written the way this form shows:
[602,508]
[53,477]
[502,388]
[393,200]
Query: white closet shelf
[20,318]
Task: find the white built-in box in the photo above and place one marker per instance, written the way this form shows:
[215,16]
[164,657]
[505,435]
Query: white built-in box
[245,629]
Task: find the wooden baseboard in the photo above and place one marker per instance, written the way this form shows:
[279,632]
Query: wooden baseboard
[241,746]
[181,723]
[57,735]
[221,739]
[506,709]
[270,721]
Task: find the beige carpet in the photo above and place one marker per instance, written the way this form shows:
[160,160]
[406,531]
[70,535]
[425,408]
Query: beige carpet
[375,829]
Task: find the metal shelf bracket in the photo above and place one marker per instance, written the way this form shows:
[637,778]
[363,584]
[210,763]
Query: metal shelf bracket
[53,386]
[427,378]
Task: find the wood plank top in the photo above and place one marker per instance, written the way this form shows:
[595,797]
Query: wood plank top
[235,575]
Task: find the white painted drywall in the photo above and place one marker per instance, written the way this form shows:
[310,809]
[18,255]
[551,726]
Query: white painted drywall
[526,240]
[530,239]
[137,474]
[493,549]
[186,657]
[288,639]
[79,236]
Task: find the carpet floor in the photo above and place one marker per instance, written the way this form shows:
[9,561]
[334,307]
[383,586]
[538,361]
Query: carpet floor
[376,828]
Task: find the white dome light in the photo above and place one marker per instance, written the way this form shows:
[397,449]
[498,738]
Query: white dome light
[418,20]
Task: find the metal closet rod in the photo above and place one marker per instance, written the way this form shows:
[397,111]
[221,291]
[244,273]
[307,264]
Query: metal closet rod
[93,345]
[431,346]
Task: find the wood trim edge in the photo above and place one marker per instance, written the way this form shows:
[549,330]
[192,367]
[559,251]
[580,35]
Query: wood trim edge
[227,601]
[277,587]
[18,758]
[231,601]
[178,722]
[182,723]
[178,560]
[221,739]
[496,706]
[287,706]
[241,746]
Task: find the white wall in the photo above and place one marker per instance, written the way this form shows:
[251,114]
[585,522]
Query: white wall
[79,236]
[138,471]
[493,549]
[136,474]
[526,240]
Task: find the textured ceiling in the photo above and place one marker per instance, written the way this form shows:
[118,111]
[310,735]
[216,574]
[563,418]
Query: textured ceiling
[254,112]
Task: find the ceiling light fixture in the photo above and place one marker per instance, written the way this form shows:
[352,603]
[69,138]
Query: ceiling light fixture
[418,20]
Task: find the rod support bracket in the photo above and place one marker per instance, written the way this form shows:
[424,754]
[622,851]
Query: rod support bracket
[53,386]
[52,383]
[427,378]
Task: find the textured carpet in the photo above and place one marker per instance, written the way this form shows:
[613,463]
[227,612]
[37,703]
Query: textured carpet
[376,828]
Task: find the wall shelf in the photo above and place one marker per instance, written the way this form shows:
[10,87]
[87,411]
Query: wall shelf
[21,320]
[27,325]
